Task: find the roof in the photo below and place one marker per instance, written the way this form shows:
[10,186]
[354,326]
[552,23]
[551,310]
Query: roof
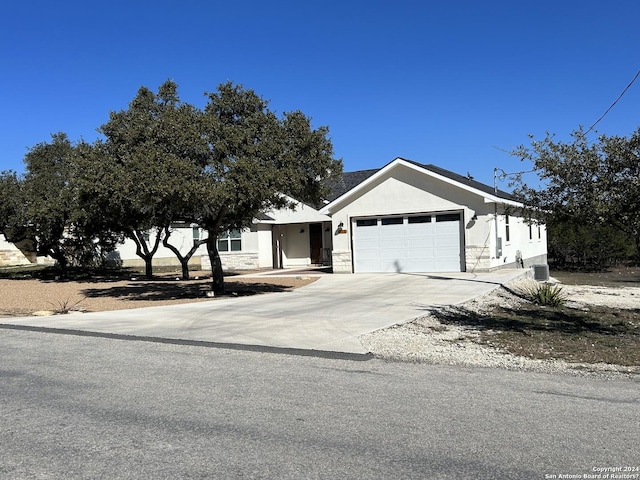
[347,181]
[352,181]
[470,182]
[263,217]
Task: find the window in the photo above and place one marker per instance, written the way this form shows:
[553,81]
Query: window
[530,232]
[230,241]
[392,221]
[420,219]
[539,234]
[448,217]
[506,228]
[369,222]
[196,234]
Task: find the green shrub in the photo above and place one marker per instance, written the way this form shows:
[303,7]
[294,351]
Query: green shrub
[546,294]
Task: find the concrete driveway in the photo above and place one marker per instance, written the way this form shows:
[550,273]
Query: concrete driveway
[328,315]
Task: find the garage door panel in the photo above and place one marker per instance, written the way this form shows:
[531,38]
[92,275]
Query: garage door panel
[393,244]
[369,243]
[428,243]
[425,241]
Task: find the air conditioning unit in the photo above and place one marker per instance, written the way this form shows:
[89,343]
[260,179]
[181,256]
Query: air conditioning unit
[540,272]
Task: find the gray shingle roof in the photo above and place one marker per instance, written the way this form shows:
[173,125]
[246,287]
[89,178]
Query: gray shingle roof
[347,181]
[264,217]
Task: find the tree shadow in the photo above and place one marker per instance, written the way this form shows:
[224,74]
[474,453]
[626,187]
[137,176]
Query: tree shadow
[51,273]
[171,290]
[531,318]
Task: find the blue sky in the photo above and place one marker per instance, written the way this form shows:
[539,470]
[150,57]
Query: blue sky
[451,83]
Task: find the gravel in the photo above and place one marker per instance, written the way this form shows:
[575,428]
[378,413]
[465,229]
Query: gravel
[427,340]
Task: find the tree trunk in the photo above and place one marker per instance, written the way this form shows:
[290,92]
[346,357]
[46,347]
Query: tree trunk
[148,267]
[61,262]
[217,276]
[183,259]
[185,269]
[142,249]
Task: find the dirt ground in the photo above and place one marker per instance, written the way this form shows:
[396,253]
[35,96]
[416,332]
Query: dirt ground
[26,296]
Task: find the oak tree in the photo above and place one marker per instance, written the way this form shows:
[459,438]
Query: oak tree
[593,184]
[255,160]
[140,175]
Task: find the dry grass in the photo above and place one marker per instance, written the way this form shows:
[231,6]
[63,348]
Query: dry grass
[25,291]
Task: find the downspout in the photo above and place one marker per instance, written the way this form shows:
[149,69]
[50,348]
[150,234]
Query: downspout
[495,217]
[495,209]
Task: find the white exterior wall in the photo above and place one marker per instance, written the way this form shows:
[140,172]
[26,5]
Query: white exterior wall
[533,250]
[295,245]
[182,238]
[481,248]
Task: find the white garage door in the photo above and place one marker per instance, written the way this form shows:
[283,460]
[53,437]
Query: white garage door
[419,243]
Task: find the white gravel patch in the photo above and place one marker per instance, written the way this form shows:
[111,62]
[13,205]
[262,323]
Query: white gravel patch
[427,340]
[623,297]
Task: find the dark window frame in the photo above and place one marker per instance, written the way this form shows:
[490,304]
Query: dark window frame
[448,217]
[367,222]
[416,219]
[391,221]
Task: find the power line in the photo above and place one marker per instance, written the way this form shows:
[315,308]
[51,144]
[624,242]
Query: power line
[613,104]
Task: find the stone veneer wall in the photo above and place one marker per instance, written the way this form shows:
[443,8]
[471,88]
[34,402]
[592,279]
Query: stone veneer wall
[194,262]
[341,262]
[234,261]
[13,257]
[478,258]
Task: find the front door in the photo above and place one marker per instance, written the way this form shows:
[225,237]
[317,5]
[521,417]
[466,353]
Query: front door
[315,241]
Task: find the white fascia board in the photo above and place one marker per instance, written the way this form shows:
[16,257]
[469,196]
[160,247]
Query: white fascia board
[303,213]
[492,199]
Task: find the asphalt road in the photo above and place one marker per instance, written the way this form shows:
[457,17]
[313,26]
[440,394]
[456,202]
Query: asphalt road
[87,407]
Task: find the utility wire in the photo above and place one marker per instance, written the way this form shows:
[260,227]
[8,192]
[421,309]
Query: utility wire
[613,104]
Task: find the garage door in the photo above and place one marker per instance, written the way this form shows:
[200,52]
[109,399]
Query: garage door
[417,243]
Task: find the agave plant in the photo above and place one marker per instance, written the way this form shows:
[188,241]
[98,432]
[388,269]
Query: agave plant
[546,294]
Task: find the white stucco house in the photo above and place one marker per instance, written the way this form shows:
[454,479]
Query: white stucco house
[403,217]
[410,217]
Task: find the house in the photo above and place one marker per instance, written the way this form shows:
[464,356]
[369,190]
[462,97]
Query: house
[410,217]
[403,217]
